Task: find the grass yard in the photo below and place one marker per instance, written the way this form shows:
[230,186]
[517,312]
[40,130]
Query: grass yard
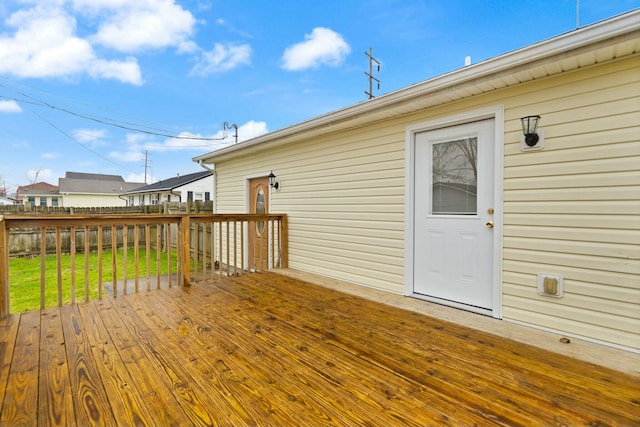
[24,276]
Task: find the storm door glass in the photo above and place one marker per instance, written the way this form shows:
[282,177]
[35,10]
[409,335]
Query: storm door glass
[454,177]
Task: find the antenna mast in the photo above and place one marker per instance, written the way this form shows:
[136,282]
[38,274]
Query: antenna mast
[370,73]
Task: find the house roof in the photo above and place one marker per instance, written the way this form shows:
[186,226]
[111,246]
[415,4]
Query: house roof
[614,38]
[171,183]
[93,176]
[90,183]
[38,188]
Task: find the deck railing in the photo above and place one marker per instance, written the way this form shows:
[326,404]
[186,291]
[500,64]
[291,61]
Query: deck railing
[193,247]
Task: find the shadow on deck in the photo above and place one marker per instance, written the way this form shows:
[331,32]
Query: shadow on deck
[266,349]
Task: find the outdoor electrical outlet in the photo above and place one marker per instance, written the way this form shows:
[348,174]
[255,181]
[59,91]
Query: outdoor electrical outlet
[550,285]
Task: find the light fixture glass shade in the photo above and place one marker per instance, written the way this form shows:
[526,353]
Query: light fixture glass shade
[530,124]
[272,180]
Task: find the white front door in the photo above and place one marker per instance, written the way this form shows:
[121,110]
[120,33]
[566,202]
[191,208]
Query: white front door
[454,214]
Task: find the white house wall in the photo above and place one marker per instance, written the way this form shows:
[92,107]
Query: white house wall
[571,209]
[202,186]
[92,200]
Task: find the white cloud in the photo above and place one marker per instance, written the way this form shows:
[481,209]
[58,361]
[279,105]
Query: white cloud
[132,26]
[252,129]
[126,71]
[90,136]
[10,107]
[44,45]
[322,47]
[52,155]
[223,57]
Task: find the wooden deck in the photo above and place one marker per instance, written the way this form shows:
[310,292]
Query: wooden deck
[264,349]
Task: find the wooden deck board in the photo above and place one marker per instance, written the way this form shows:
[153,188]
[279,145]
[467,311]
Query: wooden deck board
[20,405]
[264,349]
[55,399]
[8,333]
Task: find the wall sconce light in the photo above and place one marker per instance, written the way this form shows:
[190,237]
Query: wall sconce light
[272,181]
[529,128]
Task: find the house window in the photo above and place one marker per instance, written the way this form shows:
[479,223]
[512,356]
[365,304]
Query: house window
[54,201]
[154,198]
[190,196]
[32,201]
[131,200]
[207,196]
[43,201]
[198,196]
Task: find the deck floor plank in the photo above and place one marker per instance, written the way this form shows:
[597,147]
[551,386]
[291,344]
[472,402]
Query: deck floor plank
[90,398]
[192,390]
[8,334]
[155,393]
[265,349]
[20,405]
[55,397]
[127,403]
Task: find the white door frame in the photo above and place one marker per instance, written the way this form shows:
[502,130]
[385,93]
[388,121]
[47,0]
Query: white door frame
[497,113]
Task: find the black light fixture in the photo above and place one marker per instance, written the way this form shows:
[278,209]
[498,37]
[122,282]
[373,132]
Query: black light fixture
[529,127]
[272,181]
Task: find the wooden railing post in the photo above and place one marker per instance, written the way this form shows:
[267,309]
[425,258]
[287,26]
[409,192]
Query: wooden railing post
[284,242]
[4,269]
[186,249]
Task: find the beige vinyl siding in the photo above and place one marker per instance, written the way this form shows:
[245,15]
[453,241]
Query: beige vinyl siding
[574,208]
[344,195]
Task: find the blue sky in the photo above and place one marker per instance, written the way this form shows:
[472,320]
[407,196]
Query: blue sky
[94,85]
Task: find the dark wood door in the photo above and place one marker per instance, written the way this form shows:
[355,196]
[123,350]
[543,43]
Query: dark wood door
[259,230]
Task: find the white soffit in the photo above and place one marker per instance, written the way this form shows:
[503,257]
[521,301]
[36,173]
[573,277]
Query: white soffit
[605,41]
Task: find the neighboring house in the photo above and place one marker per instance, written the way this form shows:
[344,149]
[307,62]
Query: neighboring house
[39,194]
[94,190]
[193,186]
[7,201]
[548,236]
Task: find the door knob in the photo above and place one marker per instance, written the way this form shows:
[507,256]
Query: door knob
[490,224]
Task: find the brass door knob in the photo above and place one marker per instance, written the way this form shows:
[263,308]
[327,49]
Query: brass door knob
[490,224]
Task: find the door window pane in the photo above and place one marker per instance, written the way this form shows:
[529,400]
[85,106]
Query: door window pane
[455,177]
[261,207]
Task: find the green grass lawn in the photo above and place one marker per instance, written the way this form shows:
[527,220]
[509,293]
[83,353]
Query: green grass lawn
[24,276]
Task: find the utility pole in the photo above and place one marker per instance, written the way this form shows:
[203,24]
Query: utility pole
[146,157]
[370,73]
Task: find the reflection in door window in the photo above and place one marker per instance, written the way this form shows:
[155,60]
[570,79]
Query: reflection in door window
[261,207]
[455,177]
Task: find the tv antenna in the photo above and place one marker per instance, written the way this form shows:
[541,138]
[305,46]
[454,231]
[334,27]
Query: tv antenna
[226,126]
[370,73]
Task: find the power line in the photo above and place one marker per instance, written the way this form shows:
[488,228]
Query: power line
[133,127]
[78,142]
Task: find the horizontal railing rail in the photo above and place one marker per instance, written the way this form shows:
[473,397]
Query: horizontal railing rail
[187,247]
